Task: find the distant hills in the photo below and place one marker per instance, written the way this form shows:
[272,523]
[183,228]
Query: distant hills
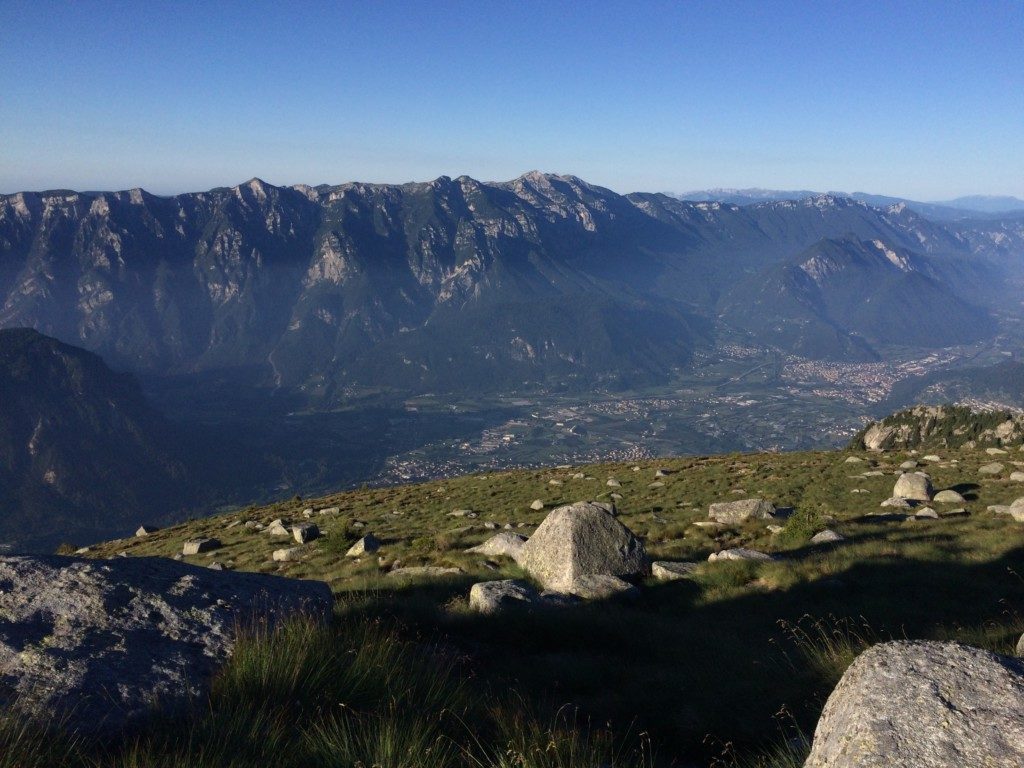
[462,286]
[969,207]
[81,451]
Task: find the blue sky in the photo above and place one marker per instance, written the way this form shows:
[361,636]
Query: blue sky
[923,100]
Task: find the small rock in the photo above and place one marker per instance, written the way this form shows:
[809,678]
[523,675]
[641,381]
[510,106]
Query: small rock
[775,529]
[368,543]
[991,469]
[1017,477]
[537,505]
[827,536]
[613,483]
[932,457]
[305,532]
[287,555]
[195,546]
[916,486]
[909,465]
[949,496]
[276,528]
[732,512]
[578,476]
[494,596]
[462,513]
[508,544]
[615,496]
[995,451]
[330,510]
[215,566]
[927,513]
[664,570]
[656,484]
[853,460]
[739,553]
[490,525]
[662,472]
[874,473]
[897,502]
[601,586]
[416,571]
[554,482]
[145,530]
[307,512]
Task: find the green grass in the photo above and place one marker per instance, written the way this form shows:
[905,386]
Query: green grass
[687,668]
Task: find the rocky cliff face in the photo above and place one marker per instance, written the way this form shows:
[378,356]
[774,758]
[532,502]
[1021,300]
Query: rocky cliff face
[442,284]
[941,426]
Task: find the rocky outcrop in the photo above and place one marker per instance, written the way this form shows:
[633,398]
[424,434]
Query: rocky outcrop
[578,541]
[926,705]
[947,426]
[103,642]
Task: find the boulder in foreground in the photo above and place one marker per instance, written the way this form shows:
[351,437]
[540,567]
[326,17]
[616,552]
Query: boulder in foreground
[916,486]
[924,704]
[101,642]
[581,540]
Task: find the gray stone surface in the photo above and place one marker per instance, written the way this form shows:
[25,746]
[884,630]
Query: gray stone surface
[197,546]
[580,540]
[732,512]
[738,553]
[948,496]
[423,571]
[495,596]
[665,570]
[102,641]
[991,469]
[914,704]
[505,543]
[601,586]
[305,532]
[916,486]
[369,543]
[827,536]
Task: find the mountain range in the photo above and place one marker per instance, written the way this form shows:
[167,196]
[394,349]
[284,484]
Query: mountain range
[967,207]
[462,286]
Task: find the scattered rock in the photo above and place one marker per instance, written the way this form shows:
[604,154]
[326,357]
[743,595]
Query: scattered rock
[554,482]
[995,451]
[330,510]
[462,513]
[125,635]
[853,460]
[656,484]
[537,505]
[216,566]
[307,512]
[917,703]
[276,528]
[926,513]
[897,502]
[305,532]
[580,540]
[662,472]
[916,486]
[578,476]
[287,555]
[712,524]
[732,512]
[991,469]
[417,571]
[366,545]
[508,544]
[738,553]
[601,586]
[664,570]
[494,596]
[949,496]
[909,464]
[613,483]
[775,529]
[490,525]
[827,536]
[145,530]
[1017,477]
[615,496]
[874,473]
[932,457]
[195,546]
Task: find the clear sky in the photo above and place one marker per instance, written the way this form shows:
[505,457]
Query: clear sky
[917,99]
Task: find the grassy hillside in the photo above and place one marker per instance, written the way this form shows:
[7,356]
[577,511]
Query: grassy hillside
[734,659]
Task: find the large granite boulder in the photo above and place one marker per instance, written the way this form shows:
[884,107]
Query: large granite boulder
[924,705]
[101,642]
[581,540]
[916,486]
[733,512]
